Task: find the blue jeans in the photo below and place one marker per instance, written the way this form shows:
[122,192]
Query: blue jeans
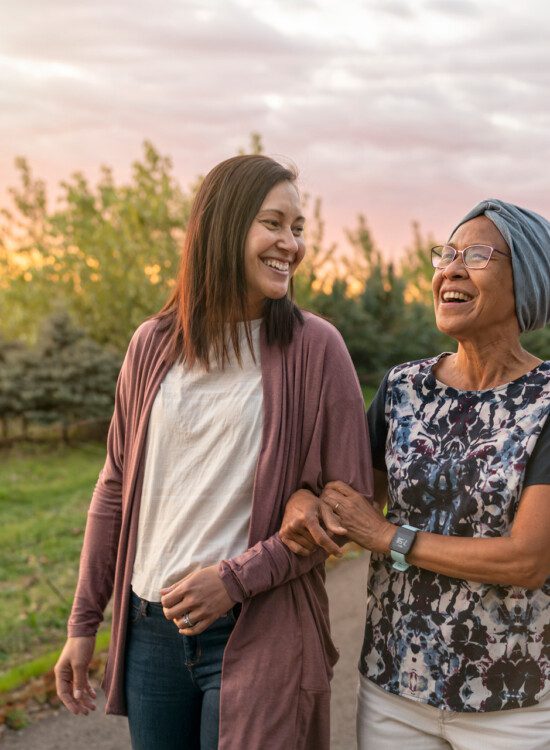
[173,681]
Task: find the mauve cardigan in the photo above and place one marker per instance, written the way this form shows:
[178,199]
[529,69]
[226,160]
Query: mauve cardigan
[278,661]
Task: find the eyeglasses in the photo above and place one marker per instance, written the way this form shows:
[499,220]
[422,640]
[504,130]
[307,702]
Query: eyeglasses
[474,256]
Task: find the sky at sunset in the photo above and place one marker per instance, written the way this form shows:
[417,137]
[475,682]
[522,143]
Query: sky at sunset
[400,110]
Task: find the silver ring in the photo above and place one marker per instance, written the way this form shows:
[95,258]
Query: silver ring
[336,507]
[187,620]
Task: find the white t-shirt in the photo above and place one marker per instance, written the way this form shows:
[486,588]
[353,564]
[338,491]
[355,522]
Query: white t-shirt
[202,448]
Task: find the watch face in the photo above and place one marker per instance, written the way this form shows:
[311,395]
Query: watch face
[403,540]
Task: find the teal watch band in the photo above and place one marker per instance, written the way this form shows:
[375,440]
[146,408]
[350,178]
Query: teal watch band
[404,541]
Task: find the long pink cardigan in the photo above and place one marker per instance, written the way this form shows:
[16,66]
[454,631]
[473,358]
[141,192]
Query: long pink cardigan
[278,661]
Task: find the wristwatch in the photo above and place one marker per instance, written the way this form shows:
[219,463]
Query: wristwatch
[401,545]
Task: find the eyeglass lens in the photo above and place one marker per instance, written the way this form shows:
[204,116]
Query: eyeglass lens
[475,256]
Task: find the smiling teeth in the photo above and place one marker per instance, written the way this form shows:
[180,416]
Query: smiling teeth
[278,264]
[450,296]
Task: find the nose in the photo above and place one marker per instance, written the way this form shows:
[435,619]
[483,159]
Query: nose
[456,269]
[287,240]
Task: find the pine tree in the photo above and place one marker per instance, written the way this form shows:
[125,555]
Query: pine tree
[68,377]
[11,402]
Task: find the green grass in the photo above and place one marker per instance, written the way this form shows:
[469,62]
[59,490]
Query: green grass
[44,495]
[19,675]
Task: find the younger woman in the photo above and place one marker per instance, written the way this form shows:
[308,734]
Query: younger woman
[228,401]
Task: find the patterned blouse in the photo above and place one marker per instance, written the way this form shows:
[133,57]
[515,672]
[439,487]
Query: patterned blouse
[457,462]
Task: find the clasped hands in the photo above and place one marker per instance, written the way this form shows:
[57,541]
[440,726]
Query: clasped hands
[200,599]
[311,522]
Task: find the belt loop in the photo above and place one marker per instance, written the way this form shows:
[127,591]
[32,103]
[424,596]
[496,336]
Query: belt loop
[143,607]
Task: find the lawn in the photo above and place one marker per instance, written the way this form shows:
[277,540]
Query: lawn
[44,495]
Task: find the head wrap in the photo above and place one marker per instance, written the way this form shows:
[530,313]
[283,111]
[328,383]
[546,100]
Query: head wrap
[528,237]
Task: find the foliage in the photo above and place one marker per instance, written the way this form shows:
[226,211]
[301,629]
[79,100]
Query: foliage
[416,267]
[65,378]
[107,254]
[11,402]
[319,261]
[17,719]
[538,342]
[380,327]
[69,376]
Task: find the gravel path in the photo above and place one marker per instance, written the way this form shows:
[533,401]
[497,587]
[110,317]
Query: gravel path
[346,586]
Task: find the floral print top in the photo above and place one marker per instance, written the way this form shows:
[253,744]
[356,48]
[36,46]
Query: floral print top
[456,463]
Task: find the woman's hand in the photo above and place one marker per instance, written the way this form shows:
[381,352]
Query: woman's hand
[71,675]
[302,527]
[199,598]
[361,519]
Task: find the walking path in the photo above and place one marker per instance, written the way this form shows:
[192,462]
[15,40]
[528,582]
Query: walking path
[346,587]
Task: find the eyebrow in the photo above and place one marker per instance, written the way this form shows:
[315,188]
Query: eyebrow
[281,213]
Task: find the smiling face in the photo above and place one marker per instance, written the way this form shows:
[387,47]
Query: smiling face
[274,247]
[472,304]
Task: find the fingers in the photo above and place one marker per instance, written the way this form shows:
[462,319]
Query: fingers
[175,594]
[77,698]
[331,521]
[176,602]
[71,675]
[297,538]
[323,540]
[82,691]
[309,536]
[186,606]
[64,690]
[341,487]
[296,534]
[298,549]
[199,623]
[197,629]
[177,611]
[299,544]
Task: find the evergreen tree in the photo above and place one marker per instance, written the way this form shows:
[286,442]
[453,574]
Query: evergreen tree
[11,401]
[68,377]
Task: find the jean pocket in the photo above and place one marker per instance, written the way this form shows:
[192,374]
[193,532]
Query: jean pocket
[138,609]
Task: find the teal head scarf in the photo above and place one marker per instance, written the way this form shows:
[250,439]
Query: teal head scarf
[528,237]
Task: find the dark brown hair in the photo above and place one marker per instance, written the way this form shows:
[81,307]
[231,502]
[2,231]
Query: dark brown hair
[210,296]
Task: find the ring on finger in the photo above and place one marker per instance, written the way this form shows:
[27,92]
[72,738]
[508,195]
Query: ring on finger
[335,509]
[187,620]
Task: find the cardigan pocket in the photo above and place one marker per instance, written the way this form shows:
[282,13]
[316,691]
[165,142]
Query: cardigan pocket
[313,720]
[319,654]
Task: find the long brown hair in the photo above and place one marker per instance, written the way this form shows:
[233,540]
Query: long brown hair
[210,296]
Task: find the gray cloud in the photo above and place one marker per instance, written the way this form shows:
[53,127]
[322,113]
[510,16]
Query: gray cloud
[397,8]
[418,111]
[454,7]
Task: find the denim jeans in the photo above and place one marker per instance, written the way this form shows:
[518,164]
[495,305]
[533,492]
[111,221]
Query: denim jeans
[173,681]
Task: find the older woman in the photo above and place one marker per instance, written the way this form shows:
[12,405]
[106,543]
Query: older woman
[457,638]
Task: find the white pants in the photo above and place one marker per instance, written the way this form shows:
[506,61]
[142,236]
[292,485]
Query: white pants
[389,722]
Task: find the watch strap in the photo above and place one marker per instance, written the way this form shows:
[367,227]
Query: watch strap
[399,560]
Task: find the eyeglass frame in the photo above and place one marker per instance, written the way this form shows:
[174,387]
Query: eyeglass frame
[461,253]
